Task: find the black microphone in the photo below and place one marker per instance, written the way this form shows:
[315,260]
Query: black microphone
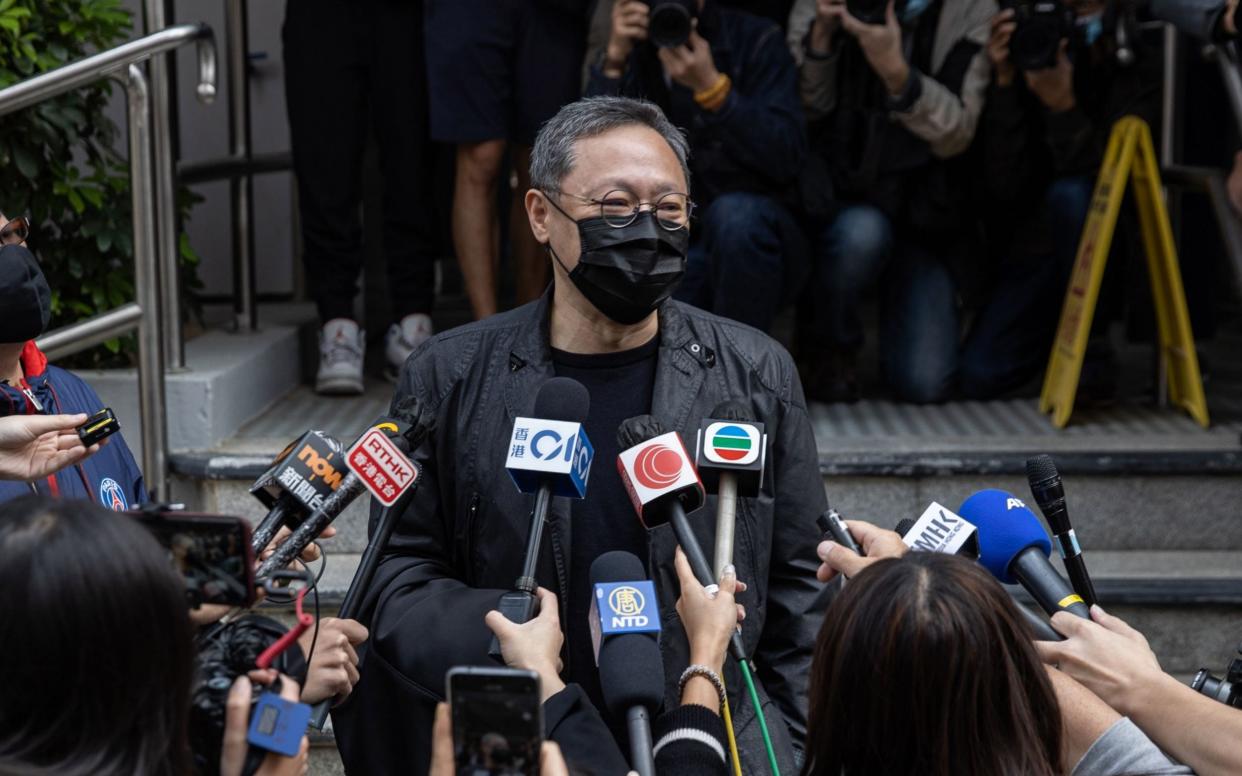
[663,486]
[730,452]
[402,434]
[1014,547]
[301,476]
[1049,494]
[625,623]
[831,523]
[549,455]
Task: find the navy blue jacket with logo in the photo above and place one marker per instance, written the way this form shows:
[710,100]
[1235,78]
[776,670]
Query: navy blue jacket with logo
[110,478]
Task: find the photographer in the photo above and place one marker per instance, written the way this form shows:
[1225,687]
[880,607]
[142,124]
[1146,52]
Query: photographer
[1114,661]
[36,446]
[732,86]
[29,386]
[892,102]
[100,655]
[1043,135]
[983,703]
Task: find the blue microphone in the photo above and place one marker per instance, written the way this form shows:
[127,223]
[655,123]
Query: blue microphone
[625,630]
[1014,547]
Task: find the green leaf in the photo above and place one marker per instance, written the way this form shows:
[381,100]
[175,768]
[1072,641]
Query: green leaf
[27,163]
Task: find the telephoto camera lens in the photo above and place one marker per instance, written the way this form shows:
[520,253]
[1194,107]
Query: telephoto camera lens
[668,24]
[1041,25]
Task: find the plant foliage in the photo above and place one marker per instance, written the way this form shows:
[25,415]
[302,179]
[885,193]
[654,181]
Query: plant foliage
[59,163]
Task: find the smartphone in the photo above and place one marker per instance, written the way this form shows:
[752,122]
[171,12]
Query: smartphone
[497,721]
[212,552]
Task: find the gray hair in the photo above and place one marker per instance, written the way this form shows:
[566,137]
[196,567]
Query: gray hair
[552,158]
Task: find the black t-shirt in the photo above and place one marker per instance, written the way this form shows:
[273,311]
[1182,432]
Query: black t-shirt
[620,385]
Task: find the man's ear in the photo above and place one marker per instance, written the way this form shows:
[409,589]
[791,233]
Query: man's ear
[538,212]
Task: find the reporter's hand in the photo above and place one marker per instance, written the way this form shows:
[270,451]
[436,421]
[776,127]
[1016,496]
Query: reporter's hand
[551,761]
[237,724]
[309,554]
[881,45]
[36,446]
[535,645]
[629,25]
[1054,86]
[828,15]
[691,64]
[333,669]
[1106,655]
[876,544]
[710,619]
[1003,26]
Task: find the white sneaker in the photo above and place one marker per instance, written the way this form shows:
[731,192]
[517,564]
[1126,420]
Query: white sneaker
[342,346]
[402,339]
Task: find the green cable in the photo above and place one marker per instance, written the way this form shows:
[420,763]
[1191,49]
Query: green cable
[763,723]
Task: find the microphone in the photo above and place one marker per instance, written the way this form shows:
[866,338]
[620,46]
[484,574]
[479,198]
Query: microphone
[830,523]
[301,476]
[663,486]
[625,630]
[1049,494]
[927,538]
[729,453]
[377,462]
[549,455]
[1014,547]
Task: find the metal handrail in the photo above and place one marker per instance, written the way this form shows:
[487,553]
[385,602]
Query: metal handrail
[145,311]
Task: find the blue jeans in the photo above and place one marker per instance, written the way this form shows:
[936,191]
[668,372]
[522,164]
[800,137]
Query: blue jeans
[749,249]
[918,304]
[1013,333]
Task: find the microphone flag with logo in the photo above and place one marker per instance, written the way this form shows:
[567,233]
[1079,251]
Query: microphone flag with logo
[730,442]
[656,472]
[309,470]
[550,449]
[942,530]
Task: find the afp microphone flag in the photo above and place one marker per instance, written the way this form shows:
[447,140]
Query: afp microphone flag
[549,450]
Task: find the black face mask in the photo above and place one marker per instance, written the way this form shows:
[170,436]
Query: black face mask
[25,298]
[627,271]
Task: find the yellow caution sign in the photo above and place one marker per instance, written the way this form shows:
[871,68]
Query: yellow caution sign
[1130,157]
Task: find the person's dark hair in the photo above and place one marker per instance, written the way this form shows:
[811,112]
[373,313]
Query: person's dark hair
[552,157]
[923,667]
[97,644]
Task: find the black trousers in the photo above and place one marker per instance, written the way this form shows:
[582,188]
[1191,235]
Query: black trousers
[353,67]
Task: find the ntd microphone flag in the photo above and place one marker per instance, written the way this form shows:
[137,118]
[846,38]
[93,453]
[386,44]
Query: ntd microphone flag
[659,468]
[556,451]
[623,607]
[737,447]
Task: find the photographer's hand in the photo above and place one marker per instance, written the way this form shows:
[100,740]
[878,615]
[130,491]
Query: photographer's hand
[691,64]
[535,645]
[237,723]
[1003,26]
[551,761]
[881,45]
[629,25]
[1054,86]
[828,15]
[333,670]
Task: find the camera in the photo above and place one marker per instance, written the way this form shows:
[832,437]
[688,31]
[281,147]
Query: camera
[873,11]
[1228,690]
[1041,26]
[668,23]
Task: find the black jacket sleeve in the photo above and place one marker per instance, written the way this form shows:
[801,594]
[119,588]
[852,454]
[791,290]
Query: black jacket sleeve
[690,741]
[573,722]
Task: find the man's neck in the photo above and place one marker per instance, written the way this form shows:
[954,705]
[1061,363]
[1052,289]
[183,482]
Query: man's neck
[11,362]
[577,327]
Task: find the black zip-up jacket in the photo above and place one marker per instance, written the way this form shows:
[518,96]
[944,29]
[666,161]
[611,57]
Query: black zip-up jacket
[461,543]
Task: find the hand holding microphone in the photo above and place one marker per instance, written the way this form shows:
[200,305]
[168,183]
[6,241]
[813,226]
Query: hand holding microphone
[710,618]
[876,542]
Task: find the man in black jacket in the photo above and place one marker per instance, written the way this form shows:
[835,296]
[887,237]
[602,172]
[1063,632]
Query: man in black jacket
[732,84]
[608,322]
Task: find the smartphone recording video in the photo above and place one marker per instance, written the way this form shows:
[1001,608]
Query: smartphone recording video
[212,552]
[497,721]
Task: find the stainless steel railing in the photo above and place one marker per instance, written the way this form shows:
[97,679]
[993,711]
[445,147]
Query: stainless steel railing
[154,279]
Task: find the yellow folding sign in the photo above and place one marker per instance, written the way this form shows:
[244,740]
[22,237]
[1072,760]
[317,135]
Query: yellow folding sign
[1130,156]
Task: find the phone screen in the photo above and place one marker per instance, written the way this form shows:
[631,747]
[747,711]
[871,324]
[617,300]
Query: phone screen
[497,721]
[212,552]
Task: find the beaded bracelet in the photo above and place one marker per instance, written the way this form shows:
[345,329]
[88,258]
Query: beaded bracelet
[706,673]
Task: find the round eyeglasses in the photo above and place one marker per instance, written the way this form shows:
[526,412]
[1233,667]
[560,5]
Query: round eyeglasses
[620,208]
